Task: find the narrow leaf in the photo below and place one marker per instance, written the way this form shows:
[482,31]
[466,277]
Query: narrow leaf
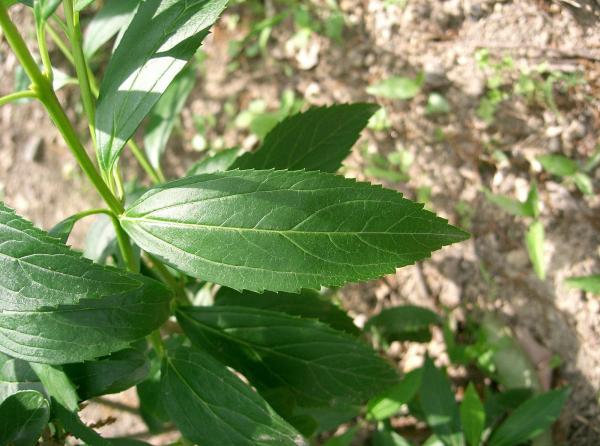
[397,87]
[315,364]
[114,15]
[212,406]
[403,323]
[558,165]
[472,416]
[63,229]
[308,304]
[297,229]
[82,4]
[23,417]
[318,139]
[591,283]
[439,406]
[510,205]
[389,403]
[388,438]
[530,419]
[73,424]
[57,384]
[48,6]
[534,239]
[584,183]
[57,307]
[344,439]
[162,37]
[165,113]
[218,162]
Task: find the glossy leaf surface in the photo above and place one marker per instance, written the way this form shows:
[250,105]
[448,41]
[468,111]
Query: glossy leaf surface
[318,139]
[57,307]
[213,407]
[283,231]
[160,40]
[306,359]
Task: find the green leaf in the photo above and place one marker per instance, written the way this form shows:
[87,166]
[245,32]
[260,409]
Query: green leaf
[48,6]
[218,162]
[584,183]
[315,364]
[530,419]
[297,229]
[388,438]
[82,4]
[318,139]
[591,283]
[437,105]
[112,374]
[23,417]
[533,201]
[58,307]
[161,38]
[63,228]
[403,323]
[308,304]
[76,428]
[344,439]
[57,384]
[397,87]
[165,113]
[212,406]
[472,416]
[510,205]
[558,165]
[15,375]
[439,406]
[114,16]
[534,239]
[389,403]
[152,408]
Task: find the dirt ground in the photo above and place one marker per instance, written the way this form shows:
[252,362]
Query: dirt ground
[382,38]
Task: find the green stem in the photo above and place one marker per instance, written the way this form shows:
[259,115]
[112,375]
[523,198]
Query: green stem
[124,245]
[81,66]
[40,31]
[60,43]
[43,89]
[155,175]
[25,94]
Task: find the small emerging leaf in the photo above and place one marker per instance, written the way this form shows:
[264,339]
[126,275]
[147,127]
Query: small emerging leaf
[558,165]
[591,283]
[23,417]
[584,183]
[510,205]
[534,240]
[472,416]
[297,229]
[397,87]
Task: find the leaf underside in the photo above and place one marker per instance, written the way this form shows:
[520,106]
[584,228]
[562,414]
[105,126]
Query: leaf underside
[57,307]
[283,231]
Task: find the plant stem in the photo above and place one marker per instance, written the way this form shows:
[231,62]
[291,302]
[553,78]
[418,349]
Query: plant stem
[43,89]
[81,67]
[40,31]
[25,94]
[155,175]
[124,245]
[59,42]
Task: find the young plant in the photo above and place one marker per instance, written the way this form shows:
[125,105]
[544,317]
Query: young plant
[569,170]
[277,221]
[534,237]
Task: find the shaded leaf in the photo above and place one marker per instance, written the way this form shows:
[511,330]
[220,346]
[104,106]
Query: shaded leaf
[308,304]
[76,428]
[472,416]
[58,307]
[23,417]
[297,229]
[160,40]
[344,439]
[388,438]
[403,323]
[389,403]
[439,406]
[306,359]
[114,16]
[212,406]
[58,385]
[15,375]
[152,408]
[165,113]
[530,419]
[318,139]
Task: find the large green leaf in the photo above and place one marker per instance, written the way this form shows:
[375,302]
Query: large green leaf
[530,419]
[162,37]
[279,353]
[114,15]
[318,139]
[165,113]
[112,374]
[283,231]
[308,304]
[57,307]
[213,407]
[23,417]
[439,406]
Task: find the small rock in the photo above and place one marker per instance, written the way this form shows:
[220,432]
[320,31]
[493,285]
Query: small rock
[517,260]
[435,75]
[33,149]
